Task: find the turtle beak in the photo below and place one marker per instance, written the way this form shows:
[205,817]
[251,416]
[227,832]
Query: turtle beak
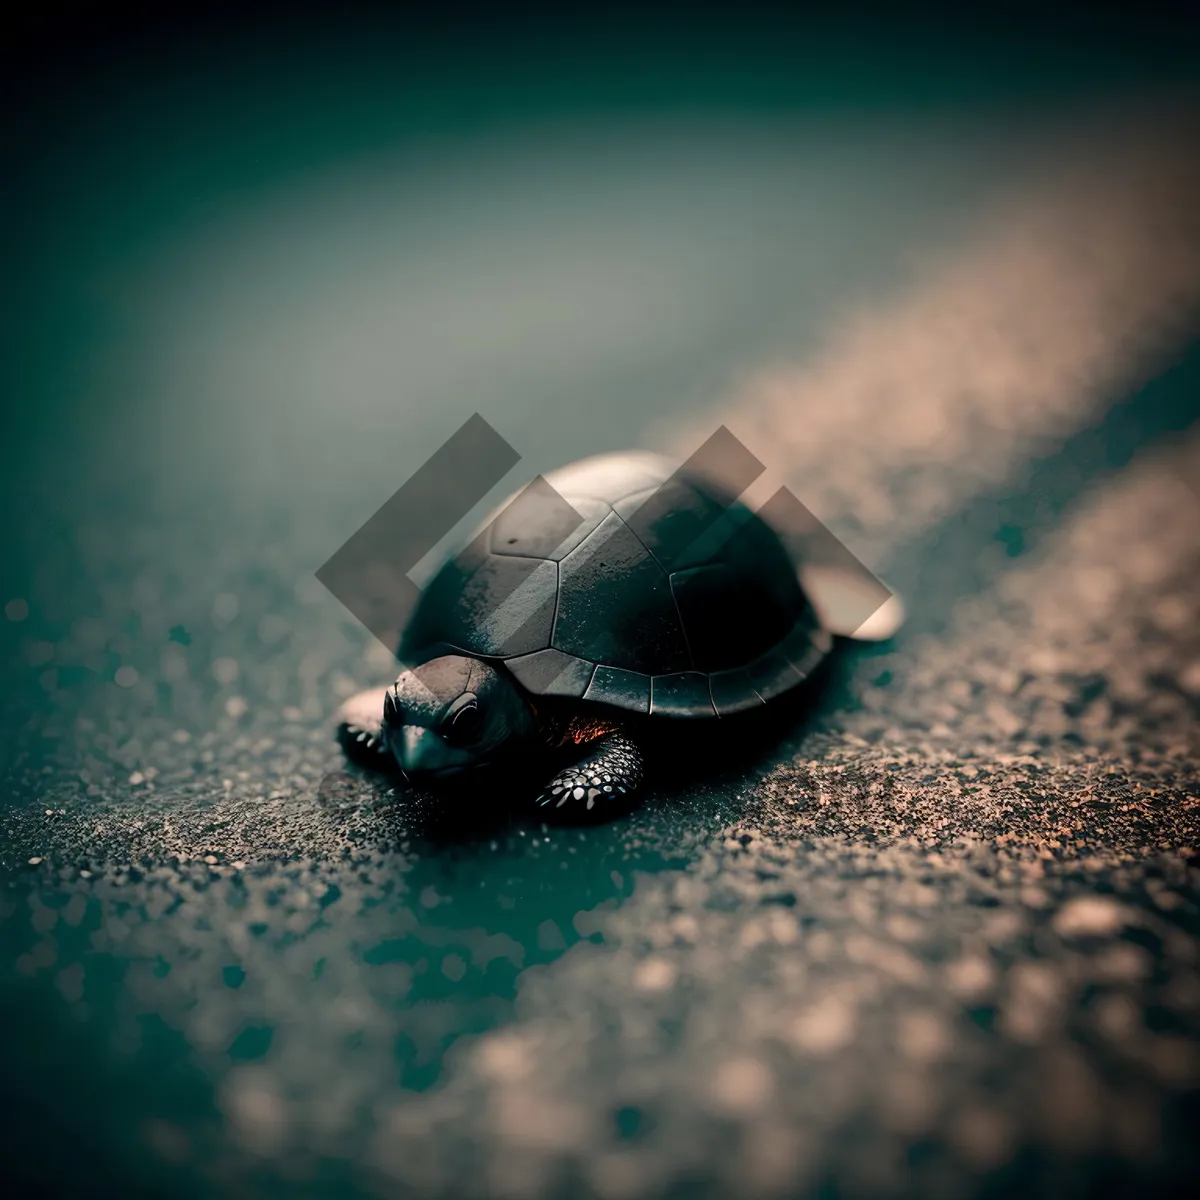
[418,750]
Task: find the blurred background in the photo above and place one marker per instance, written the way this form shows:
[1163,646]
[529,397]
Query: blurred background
[939,272]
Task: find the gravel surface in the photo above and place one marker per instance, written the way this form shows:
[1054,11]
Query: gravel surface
[949,941]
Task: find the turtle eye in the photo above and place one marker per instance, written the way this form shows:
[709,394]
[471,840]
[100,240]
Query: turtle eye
[464,725]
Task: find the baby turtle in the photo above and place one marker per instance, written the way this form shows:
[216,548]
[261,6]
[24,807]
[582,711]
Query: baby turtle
[567,634]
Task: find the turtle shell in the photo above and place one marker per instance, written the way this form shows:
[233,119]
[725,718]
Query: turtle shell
[621,581]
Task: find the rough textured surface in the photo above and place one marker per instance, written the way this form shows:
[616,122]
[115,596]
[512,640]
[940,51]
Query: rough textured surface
[951,937]
[944,940]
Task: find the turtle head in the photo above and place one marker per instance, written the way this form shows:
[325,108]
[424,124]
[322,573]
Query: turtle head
[453,713]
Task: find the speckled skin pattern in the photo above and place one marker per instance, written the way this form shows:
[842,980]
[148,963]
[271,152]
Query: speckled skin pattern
[605,779]
[942,940]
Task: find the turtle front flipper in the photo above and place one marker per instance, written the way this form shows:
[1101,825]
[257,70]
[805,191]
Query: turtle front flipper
[603,782]
[360,728]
